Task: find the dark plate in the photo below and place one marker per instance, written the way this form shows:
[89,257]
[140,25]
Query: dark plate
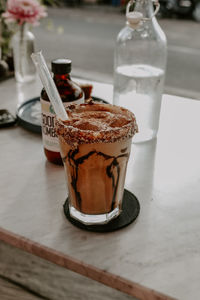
[100,100]
[130,211]
[29,114]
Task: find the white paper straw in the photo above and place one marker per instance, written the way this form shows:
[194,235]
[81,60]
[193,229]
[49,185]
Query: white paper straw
[49,85]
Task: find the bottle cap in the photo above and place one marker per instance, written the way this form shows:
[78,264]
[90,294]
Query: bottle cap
[61,66]
[134,18]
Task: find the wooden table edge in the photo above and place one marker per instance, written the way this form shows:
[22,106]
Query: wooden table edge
[117,282]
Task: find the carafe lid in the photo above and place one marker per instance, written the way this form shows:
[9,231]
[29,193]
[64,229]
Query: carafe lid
[135,18]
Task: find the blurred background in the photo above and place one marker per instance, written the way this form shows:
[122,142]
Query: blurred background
[86,30]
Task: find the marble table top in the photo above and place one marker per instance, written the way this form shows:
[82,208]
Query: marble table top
[158,256]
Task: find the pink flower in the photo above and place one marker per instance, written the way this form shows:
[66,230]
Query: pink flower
[22,11]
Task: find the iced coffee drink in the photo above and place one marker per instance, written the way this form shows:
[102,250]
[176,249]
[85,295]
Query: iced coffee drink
[95,145]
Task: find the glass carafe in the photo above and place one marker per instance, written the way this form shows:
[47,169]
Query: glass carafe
[139,67]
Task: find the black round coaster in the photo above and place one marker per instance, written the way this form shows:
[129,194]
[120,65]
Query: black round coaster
[130,211]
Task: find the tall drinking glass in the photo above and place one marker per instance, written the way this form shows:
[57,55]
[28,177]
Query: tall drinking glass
[95,145]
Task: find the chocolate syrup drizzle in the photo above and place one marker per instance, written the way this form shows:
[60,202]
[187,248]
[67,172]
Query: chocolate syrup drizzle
[74,163]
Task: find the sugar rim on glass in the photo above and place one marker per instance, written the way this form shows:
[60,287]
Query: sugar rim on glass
[75,136]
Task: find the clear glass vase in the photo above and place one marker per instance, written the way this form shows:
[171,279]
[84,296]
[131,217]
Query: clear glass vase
[23,46]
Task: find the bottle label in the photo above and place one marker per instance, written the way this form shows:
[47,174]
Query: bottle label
[49,136]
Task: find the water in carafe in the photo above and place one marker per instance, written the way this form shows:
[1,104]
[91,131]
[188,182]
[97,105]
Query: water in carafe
[140,86]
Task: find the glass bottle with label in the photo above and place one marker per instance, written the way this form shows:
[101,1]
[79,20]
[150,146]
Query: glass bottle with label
[139,66]
[70,93]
